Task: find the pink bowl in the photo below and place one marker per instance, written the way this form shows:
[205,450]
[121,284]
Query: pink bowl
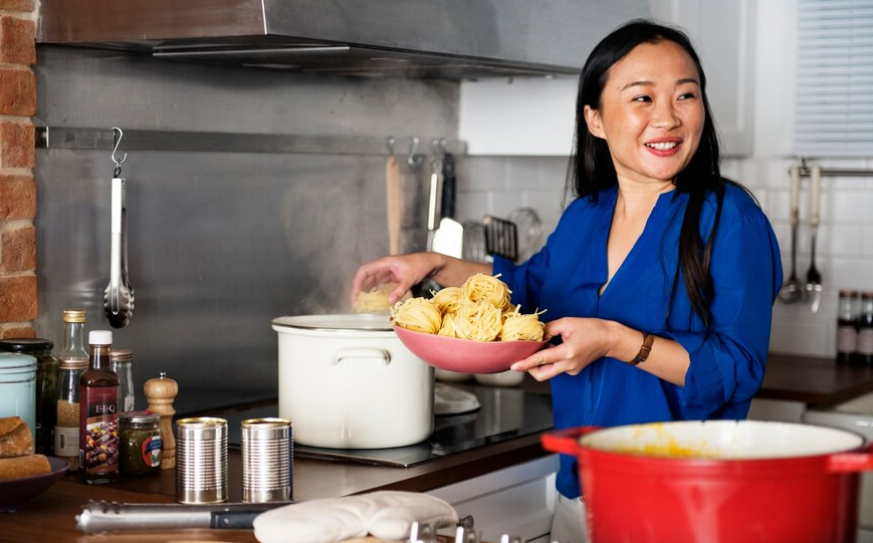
[466,355]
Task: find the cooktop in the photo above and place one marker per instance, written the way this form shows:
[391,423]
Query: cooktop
[504,414]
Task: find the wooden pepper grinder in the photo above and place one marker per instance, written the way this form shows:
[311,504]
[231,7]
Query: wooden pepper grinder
[160,393]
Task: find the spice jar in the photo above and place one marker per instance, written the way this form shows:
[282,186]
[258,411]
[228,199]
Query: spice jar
[140,443]
[121,362]
[72,363]
[46,386]
[67,406]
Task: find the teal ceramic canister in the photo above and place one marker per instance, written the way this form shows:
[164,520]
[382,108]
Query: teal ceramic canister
[18,388]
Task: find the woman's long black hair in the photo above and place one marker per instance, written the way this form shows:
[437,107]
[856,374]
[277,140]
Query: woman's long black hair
[592,169]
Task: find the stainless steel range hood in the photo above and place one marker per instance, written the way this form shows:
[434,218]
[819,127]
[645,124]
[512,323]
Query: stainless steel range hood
[452,39]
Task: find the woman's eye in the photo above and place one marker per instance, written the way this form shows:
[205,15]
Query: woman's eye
[687,96]
[641,99]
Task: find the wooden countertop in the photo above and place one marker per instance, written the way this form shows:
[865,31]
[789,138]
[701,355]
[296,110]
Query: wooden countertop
[50,518]
[819,382]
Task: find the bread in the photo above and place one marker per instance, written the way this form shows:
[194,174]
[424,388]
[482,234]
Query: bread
[24,466]
[15,438]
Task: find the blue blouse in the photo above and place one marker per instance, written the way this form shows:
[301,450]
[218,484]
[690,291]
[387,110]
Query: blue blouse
[727,365]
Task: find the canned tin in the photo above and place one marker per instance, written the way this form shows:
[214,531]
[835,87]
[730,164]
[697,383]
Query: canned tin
[267,449]
[201,460]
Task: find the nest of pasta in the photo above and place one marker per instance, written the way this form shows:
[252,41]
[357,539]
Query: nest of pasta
[479,310]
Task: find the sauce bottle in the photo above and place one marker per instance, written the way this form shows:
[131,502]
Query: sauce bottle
[98,416]
[865,330]
[847,327]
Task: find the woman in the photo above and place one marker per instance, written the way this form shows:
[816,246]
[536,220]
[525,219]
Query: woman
[660,277]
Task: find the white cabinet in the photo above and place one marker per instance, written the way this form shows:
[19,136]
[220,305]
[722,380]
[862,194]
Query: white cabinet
[535,117]
[516,501]
[723,34]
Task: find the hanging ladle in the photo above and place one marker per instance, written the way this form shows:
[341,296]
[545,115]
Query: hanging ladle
[792,290]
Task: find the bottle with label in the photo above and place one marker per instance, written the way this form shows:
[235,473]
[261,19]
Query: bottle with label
[847,326]
[98,414]
[72,363]
[865,330]
[121,362]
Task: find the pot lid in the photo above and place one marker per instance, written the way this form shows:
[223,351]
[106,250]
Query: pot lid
[349,322]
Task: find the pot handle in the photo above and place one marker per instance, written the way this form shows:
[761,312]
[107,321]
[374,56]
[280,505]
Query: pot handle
[361,352]
[850,462]
[566,441]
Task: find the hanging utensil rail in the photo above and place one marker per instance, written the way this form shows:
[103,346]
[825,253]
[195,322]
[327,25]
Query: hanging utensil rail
[62,137]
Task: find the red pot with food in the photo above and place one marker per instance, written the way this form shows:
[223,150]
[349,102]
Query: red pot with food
[718,481]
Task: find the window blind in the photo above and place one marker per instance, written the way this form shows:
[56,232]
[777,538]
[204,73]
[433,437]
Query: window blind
[834,93]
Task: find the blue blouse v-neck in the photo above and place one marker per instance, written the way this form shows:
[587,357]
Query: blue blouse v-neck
[727,365]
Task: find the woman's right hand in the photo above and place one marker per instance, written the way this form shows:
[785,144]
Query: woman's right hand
[405,270]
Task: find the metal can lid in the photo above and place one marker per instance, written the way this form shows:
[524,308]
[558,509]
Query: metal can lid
[74,315]
[138,417]
[121,355]
[266,422]
[25,345]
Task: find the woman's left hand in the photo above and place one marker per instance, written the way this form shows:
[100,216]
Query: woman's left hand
[584,341]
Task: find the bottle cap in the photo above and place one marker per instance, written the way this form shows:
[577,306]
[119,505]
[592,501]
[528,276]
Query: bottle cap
[25,345]
[121,355]
[100,337]
[74,315]
[848,293]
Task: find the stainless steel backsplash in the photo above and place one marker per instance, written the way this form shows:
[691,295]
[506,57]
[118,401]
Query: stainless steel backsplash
[220,243]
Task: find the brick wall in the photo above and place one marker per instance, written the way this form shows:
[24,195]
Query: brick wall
[19,305]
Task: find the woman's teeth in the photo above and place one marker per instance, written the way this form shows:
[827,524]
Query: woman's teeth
[662,146]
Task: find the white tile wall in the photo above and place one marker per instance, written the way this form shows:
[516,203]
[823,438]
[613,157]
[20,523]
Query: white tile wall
[844,256]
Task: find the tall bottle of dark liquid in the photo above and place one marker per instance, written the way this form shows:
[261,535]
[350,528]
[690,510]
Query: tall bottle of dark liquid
[865,330]
[98,420]
[847,327]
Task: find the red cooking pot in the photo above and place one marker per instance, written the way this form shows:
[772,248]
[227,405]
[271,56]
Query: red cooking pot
[717,481]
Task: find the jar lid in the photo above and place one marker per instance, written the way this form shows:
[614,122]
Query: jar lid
[848,293]
[74,315]
[121,355]
[25,345]
[73,363]
[17,361]
[139,417]
[867,294]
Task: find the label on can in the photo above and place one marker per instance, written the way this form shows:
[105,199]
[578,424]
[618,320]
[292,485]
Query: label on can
[98,437]
[151,451]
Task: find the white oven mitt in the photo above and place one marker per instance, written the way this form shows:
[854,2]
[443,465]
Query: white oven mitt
[386,515]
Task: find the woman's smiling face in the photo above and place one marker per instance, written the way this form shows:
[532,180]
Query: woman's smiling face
[651,112]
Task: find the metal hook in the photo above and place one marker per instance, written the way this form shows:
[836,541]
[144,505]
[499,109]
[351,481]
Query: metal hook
[118,134]
[390,143]
[413,159]
[440,146]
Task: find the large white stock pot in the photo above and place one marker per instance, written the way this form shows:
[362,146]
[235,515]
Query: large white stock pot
[347,382]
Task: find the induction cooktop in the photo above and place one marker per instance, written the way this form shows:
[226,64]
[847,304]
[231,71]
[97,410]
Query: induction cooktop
[504,414]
